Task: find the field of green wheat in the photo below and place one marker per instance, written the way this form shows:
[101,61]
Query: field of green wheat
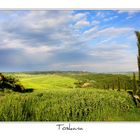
[56,97]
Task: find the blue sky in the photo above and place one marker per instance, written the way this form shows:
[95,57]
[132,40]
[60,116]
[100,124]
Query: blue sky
[87,40]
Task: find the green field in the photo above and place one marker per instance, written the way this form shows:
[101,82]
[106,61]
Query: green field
[56,98]
[49,81]
[66,80]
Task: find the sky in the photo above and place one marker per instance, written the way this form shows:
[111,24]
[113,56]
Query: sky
[71,40]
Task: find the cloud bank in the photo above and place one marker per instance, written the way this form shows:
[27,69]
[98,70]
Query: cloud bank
[97,41]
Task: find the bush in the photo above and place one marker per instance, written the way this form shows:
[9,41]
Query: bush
[8,82]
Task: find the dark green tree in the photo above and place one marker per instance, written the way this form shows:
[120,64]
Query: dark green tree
[138,57]
[138,60]
[134,84]
[113,86]
[125,86]
[8,82]
[119,86]
[104,87]
[108,86]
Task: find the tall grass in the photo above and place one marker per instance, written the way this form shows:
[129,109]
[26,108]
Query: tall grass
[68,105]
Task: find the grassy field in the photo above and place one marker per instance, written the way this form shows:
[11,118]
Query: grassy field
[56,98]
[49,81]
[65,80]
[68,105]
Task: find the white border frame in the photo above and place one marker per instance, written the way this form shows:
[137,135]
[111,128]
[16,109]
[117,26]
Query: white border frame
[49,130]
[55,4]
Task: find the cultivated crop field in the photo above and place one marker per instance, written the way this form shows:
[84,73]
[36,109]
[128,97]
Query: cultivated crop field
[61,96]
[48,81]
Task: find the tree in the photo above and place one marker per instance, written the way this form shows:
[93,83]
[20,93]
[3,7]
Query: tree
[138,59]
[125,86]
[8,82]
[113,86]
[119,86]
[104,87]
[108,86]
[134,84]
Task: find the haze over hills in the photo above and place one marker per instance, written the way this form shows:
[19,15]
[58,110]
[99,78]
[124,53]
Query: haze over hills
[43,72]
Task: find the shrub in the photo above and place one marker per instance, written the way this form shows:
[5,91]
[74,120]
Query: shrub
[8,82]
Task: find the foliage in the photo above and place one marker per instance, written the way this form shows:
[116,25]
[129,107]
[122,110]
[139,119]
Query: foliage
[125,86]
[113,86]
[138,45]
[68,105]
[58,98]
[119,86]
[70,80]
[101,80]
[134,84]
[9,82]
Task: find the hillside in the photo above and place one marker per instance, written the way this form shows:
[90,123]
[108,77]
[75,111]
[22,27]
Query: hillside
[44,80]
[56,97]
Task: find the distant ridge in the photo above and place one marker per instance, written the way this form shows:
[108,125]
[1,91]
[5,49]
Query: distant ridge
[76,72]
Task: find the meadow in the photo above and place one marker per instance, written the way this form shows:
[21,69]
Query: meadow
[56,97]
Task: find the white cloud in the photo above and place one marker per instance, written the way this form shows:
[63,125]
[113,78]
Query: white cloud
[107,32]
[110,18]
[130,13]
[115,31]
[38,50]
[48,39]
[79,16]
[82,23]
[114,57]
[46,19]
[91,31]
[100,14]
[95,22]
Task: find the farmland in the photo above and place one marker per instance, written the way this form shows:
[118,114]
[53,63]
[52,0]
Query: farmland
[60,96]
